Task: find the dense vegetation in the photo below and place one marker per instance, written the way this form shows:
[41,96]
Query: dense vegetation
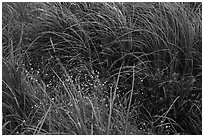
[101,68]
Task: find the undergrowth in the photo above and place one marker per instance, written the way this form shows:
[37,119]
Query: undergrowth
[101,68]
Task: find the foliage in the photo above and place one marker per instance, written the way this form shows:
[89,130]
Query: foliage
[102,68]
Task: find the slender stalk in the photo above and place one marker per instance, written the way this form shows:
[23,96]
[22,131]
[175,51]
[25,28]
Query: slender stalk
[112,102]
[130,99]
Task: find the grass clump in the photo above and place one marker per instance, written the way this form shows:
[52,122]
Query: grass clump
[101,68]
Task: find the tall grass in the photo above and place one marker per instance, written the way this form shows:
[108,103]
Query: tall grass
[102,68]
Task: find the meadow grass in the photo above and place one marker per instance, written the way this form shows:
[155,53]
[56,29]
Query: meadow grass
[101,68]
